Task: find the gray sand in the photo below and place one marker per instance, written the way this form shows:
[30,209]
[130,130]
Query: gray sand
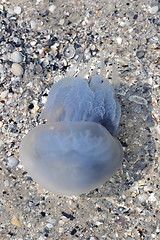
[127,206]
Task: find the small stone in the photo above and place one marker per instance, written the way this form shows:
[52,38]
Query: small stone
[17,69]
[142,197]
[62,230]
[135,16]
[152,198]
[93,47]
[147,188]
[49,225]
[52,8]
[17,10]
[141,182]
[33,43]
[1,7]
[1,68]
[12,162]
[17,40]
[119,40]
[4,94]
[15,222]
[52,221]
[154,9]
[38,1]
[6,183]
[61,22]
[1,105]
[16,57]
[38,68]
[33,24]
[140,54]
[45,63]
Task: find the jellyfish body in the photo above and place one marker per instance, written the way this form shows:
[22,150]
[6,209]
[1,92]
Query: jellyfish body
[70,158]
[75,151]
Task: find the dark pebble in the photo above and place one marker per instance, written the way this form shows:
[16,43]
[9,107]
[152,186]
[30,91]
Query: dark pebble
[67,215]
[99,209]
[140,54]
[73,231]
[31,106]
[43,214]
[11,234]
[135,16]
[124,144]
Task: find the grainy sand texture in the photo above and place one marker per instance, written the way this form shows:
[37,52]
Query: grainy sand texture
[47,37]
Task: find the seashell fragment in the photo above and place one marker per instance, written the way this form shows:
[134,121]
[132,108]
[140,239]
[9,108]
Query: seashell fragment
[16,222]
[138,100]
[69,52]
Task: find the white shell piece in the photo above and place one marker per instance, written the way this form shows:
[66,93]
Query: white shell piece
[138,100]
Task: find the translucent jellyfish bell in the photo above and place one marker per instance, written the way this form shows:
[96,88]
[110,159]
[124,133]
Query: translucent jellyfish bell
[71,157]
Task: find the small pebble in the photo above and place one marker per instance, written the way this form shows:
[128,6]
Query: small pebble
[16,57]
[52,8]
[49,225]
[1,7]
[38,68]
[6,183]
[4,94]
[17,40]
[33,43]
[1,68]
[12,162]
[33,24]
[154,9]
[17,10]
[152,198]
[52,221]
[140,54]
[61,22]
[135,16]
[38,1]
[93,47]
[17,69]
